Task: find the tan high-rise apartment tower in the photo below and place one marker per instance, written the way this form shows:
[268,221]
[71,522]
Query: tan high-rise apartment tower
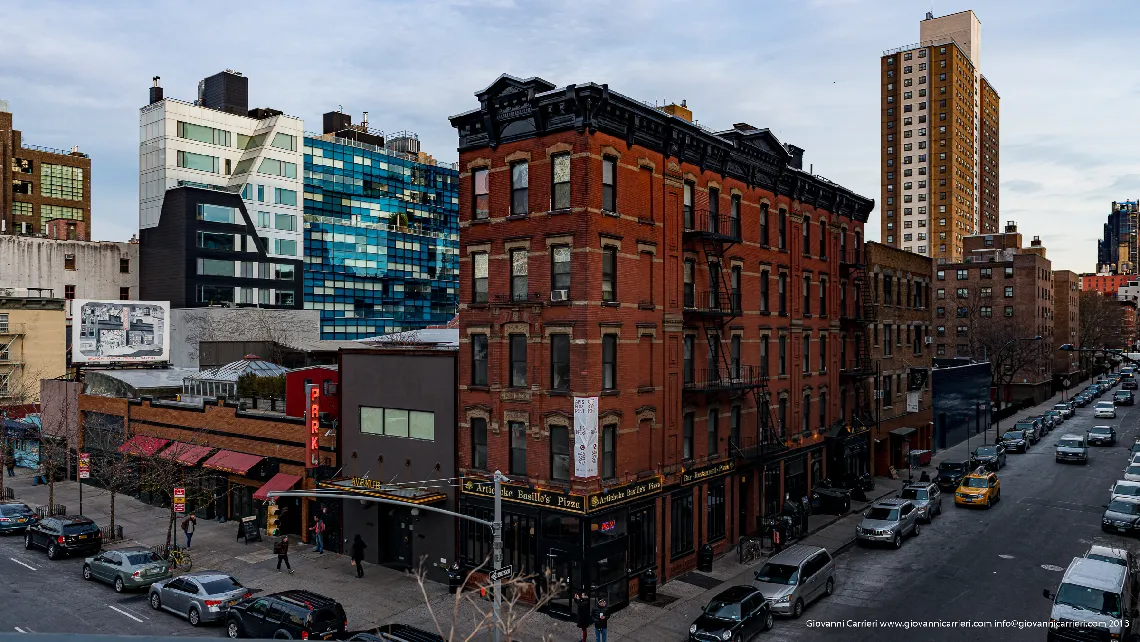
[939,140]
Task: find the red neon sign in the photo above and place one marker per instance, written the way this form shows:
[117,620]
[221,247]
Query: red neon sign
[312,451]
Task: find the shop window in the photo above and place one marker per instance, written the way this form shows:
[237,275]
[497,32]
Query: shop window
[560,453]
[520,542]
[642,538]
[479,443]
[475,539]
[715,518]
[518,447]
[772,490]
[607,528]
[681,524]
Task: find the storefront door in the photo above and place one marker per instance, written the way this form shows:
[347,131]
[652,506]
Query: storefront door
[795,478]
[397,549]
[562,581]
[743,499]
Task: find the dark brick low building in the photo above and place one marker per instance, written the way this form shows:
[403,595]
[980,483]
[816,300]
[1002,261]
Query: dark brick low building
[700,286]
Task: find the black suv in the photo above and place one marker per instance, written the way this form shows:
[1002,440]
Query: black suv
[950,474]
[290,615]
[396,633]
[73,535]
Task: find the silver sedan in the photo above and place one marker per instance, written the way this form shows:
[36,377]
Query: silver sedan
[126,568]
[199,597]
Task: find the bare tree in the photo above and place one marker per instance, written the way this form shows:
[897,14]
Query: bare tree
[113,471]
[477,607]
[161,472]
[1100,323]
[998,340]
[59,434]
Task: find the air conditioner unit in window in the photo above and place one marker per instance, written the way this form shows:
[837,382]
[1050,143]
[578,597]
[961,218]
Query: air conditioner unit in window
[559,295]
[929,340]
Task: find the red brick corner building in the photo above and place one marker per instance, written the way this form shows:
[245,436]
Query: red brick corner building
[685,278]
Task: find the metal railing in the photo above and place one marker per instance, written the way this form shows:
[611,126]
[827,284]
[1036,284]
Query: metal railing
[712,224]
[12,328]
[52,150]
[918,45]
[46,511]
[712,302]
[730,377]
[376,149]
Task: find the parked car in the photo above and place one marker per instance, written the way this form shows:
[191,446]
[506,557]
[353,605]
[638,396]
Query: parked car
[1118,556]
[1065,408]
[1102,436]
[1123,488]
[1015,441]
[1123,398]
[1096,598]
[1122,515]
[992,457]
[1032,428]
[979,488]
[738,613]
[796,577]
[1130,384]
[1056,416]
[1048,423]
[59,536]
[201,596]
[1072,448]
[926,497]
[1105,409]
[287,615]
[1081,400]
[395,633]
[1132,472]
[127,568]
[950,473]
[1135,449]
[16,516]
[888,520]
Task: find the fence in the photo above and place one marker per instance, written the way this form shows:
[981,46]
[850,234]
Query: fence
[9,493]
[108,535]
[46,511]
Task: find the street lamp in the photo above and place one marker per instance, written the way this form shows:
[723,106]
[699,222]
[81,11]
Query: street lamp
[997,420]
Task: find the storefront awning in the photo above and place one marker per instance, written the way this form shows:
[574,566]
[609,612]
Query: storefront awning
[280,481]
[184,453]
[373,488]
[232,462]
[903,432]
[142,446]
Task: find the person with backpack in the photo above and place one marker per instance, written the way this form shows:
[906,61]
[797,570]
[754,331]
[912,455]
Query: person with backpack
[188,525]
[358,547]
[281,548]
[318,529]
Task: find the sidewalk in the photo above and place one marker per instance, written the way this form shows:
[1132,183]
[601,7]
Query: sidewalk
[384,595]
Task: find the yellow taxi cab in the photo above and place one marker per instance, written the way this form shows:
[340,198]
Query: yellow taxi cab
[979,488]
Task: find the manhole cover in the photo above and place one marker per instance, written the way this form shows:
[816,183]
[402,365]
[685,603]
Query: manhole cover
[1050,567]
[1006,557]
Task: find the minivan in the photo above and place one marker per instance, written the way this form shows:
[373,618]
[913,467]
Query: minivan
[1073,448]
[795,578]
[1094,597]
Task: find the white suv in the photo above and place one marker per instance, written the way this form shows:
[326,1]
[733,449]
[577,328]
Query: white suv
[1105,409]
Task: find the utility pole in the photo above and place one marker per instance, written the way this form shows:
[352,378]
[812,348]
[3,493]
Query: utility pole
[497,548]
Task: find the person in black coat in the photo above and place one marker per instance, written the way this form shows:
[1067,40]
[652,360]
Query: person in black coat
[601,621]
[358,547]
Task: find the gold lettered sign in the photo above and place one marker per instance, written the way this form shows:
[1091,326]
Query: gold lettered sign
[623,494]
[555,500]
[696,475]
[363,482]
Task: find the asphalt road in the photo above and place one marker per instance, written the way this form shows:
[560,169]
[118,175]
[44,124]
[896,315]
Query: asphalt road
[977,564]
[38,595]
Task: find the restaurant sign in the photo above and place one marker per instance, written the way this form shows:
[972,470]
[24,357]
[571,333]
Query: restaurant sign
[562,501]
[696,475]
[313,425]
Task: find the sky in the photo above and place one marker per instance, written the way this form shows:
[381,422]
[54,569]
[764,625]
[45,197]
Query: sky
[77,74]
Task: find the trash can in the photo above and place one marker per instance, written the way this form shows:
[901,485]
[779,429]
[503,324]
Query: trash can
[454,579]
[647,588]
[705,559]
[833,501]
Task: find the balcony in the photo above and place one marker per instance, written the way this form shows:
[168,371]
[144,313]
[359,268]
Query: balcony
[715,303]
[850,258]
[858,369]
[724,379]
[712,226]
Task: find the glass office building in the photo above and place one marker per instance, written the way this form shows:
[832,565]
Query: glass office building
[381,238]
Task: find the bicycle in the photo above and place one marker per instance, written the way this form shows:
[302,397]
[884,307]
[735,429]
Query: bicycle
[750,550]
[179,559]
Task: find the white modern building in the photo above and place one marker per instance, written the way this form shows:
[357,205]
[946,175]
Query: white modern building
[217,142]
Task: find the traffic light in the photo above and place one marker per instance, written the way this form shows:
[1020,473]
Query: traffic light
[271,526]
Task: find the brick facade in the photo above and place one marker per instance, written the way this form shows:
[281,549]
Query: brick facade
[1066,323]
[656,394]
[23,165]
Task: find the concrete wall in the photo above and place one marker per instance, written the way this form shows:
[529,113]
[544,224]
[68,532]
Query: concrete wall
[190,326]
[412,381]
[60,406]
[27,262]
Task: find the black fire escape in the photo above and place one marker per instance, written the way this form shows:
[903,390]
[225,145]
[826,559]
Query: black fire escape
[859,320]
[714,306]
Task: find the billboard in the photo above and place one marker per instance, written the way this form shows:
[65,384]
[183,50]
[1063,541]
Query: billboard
[109,332]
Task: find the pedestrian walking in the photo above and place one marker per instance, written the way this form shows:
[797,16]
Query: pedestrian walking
[10,460]
[188,525]
[318,529]
[41,476]
[358,547]
[601,621]
[281,548]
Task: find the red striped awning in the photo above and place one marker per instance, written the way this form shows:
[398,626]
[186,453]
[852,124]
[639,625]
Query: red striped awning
[142,446]
[232,462]
[280,481]
[184,453]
